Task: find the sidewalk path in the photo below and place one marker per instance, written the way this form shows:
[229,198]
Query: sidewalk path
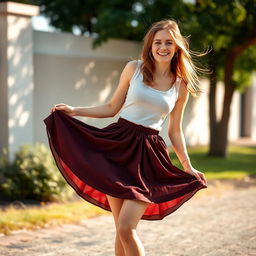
[213,223]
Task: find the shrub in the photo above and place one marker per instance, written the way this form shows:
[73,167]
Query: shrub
[32,175]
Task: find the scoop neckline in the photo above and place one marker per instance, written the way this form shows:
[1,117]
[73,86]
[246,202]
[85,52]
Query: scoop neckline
[140,62]
[151,88]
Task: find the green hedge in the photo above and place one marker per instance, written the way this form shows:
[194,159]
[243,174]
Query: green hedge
[32,175]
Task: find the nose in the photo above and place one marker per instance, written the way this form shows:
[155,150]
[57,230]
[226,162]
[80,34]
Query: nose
[162,46]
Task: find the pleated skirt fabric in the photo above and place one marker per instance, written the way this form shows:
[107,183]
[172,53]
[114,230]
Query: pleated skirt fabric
[123,160]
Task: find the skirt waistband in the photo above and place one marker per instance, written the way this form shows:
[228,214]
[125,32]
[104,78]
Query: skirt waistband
[138,127]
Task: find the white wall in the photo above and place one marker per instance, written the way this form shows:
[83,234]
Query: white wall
[16,72]
[67,70]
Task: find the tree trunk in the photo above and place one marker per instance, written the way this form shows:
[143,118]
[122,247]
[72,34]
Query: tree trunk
[219,132]
[219,129]
[212,110]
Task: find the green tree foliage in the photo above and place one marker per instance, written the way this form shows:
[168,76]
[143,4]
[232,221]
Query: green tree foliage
[109,19]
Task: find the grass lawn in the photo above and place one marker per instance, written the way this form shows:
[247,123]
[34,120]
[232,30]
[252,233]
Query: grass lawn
[240,162]
[46,215]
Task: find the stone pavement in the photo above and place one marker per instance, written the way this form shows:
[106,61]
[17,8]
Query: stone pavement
[215,222]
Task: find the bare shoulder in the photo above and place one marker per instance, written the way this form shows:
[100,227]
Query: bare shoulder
[130,68]
[132,64]
[183,92]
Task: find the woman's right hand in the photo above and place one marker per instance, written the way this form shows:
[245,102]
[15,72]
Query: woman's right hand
[69,110]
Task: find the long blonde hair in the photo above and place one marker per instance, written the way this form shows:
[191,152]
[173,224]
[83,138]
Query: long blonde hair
[181,65]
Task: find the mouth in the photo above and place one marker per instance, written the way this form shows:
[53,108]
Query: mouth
[163,54]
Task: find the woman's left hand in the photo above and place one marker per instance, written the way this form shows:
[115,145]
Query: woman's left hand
[199,175]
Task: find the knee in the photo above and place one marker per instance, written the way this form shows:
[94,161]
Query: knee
[125,231]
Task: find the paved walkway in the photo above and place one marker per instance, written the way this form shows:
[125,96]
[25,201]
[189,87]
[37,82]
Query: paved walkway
[215,222]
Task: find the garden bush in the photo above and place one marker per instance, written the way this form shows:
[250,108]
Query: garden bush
[32,175]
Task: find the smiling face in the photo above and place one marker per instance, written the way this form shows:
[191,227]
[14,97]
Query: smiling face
[163,46]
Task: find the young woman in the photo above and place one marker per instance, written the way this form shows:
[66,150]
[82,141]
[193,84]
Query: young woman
[125,167]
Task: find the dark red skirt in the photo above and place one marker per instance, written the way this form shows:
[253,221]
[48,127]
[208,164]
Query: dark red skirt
[123,159]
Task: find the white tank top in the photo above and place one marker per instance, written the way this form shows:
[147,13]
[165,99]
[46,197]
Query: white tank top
[147,106]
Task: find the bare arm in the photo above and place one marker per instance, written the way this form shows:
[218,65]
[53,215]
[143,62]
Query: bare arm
[175,132]
[176,135]
[112,107]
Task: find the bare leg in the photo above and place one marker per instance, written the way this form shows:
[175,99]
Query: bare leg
[115,205]
[129,216]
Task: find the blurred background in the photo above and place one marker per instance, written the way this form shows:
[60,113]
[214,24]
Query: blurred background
[74,51]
